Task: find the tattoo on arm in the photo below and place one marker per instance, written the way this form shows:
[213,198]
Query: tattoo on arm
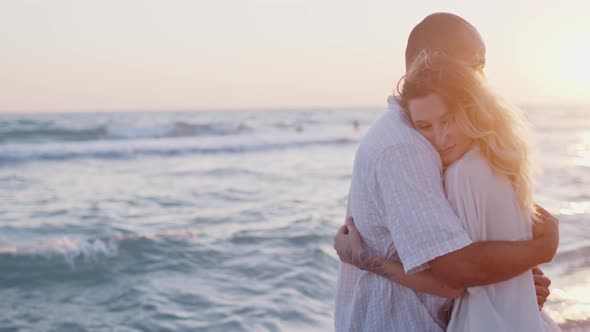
[364,261]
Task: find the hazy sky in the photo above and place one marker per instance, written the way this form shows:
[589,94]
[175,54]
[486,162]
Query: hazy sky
[140,54]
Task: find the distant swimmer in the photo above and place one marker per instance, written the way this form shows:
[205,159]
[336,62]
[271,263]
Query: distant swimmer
[356,124]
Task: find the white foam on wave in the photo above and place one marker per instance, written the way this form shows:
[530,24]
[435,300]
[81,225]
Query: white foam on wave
[168,146]
[138,132]
[70,250]
[64,129]
[176,129]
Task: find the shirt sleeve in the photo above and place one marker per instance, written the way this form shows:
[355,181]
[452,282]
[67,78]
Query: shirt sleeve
[416,212]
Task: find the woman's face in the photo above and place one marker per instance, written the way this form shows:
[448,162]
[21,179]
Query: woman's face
[432,119]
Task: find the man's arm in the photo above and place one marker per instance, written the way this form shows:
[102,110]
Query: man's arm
[424,281]
[479,263]
[489,262]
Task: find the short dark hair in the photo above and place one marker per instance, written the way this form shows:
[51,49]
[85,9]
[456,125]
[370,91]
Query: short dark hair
[449,34]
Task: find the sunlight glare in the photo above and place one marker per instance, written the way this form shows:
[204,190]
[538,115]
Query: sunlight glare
[577,63]
[582,151]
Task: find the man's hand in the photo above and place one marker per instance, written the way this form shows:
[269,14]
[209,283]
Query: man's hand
[538,229]
[550,237]
[541,286]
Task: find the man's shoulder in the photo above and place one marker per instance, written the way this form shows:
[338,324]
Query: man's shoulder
[392,130]
[388,130]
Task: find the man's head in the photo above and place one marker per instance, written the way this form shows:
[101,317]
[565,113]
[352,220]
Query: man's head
[449,34]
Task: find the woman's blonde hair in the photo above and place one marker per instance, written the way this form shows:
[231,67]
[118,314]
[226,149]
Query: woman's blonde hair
[501,131]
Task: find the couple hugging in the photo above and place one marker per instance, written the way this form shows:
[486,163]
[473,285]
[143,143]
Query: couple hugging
[442,232]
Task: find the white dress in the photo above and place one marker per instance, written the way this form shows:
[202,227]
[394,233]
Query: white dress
[486,204]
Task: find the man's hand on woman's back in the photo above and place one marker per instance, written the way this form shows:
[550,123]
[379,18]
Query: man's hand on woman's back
[547,231]
[541,286]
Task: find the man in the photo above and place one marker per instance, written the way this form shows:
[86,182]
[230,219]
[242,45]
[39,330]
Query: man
[397,199]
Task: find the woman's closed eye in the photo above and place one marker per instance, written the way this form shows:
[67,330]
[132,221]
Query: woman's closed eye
[447,119]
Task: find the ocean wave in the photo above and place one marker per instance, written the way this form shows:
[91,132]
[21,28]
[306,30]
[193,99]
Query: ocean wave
[575,325]
[90,249]
[178,129]
[45,131]
[168,147]
[98,260]
[575,257]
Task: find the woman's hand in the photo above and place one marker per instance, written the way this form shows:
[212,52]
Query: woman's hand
[350,249]
[349,245]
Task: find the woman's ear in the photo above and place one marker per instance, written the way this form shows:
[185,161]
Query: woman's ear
[436,52]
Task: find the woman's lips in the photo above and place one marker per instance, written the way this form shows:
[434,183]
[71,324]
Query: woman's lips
[447,150]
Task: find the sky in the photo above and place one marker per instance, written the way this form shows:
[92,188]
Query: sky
[76,55]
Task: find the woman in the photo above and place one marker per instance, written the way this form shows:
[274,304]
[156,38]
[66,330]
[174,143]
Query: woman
[483,145]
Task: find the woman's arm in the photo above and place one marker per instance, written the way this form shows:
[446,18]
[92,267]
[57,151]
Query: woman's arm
[423,281]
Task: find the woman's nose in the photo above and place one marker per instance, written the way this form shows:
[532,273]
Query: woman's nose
[440,138]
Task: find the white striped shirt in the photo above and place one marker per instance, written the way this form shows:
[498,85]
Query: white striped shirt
[398,203]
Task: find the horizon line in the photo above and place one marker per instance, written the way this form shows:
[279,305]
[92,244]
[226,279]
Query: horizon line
[251,108]
[184,109]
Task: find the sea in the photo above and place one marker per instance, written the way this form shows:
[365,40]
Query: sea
[219,220]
